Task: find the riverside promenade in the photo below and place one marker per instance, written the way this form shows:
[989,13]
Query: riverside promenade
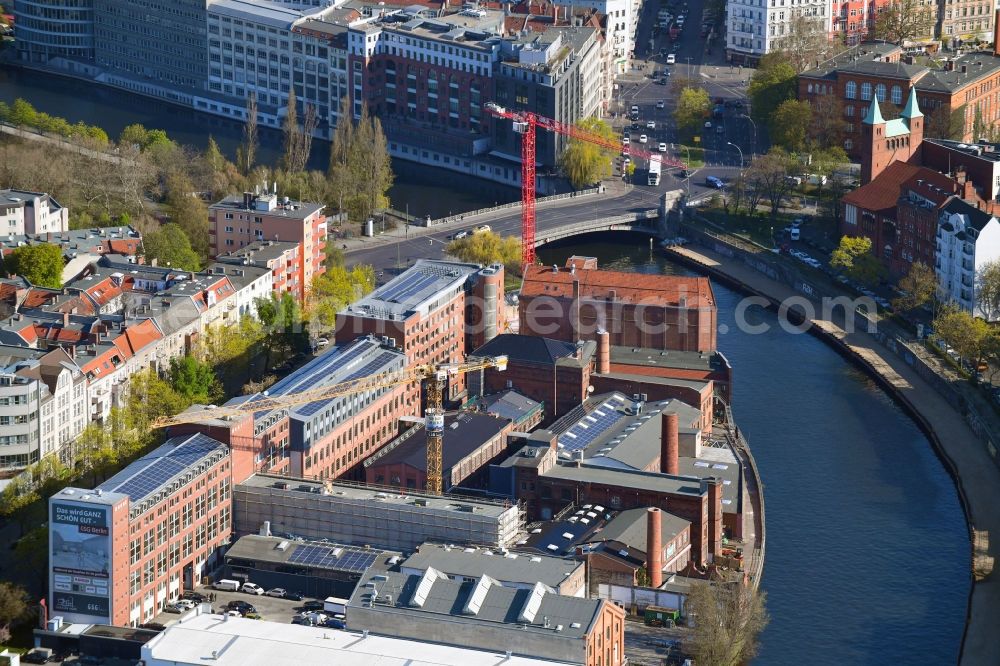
[976,475]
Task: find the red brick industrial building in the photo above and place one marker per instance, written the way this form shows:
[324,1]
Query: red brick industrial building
[637,310]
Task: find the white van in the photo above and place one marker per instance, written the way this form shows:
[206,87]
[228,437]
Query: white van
[335,605]
[227,585]
[795,233]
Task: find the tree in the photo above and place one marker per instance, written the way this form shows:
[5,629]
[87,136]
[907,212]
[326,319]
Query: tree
[230,350]
[290,130]
[340,175]
[333,290]
[309,125]
[918,286]
[768,176]
[584,162]
[943,123]
[188,212]
[971,337]
[772,83]
[807,41]
[854,255]
[194,381]
[16,498]
[283,327]
[789,124]
[32,556]
[95,452]
[826,125]
[693,105]
[901,20]
[488,248]
[988,290]
[22,113]
[149,398]
[13,607]
[170,246]
[41,265]
[247,151]
[728,618]
[370,167]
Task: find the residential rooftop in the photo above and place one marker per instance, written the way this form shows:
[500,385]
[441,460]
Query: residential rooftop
[264,204]
[418,289]
[258,252]
[197,639]
[506,567]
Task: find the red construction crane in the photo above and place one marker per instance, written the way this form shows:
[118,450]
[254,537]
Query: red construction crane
[525,123]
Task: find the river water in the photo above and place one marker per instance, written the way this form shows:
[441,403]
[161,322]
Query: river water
[867,550]
[419,189]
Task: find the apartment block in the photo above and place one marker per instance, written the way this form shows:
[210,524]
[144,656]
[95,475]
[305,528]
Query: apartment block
[24,212]
[757,27]
[43,405]
[282,259]
[120,552]
[968,239]
[558,74]
[237,222]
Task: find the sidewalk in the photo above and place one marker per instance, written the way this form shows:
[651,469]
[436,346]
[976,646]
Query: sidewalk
[977,476]
[613,188]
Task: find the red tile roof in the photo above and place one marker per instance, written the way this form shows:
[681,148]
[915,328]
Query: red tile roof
[882,193]
[627,287]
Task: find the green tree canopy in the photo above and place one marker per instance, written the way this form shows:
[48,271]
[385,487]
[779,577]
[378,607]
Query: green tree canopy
[988,290]
[22,113]
[488,248]
[728,618]
[333,290]
[360,166]
[194,380]
[13,607]
[918,286]
[773,82]
[693,105]
[854,256]
[170,246]
[584,162]
[789,124]
[970,336]
[188,212]
[41,265]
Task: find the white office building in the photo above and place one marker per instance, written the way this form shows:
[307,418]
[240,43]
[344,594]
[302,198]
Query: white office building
[967,240]
[622,22]
[23,212]
[757,27]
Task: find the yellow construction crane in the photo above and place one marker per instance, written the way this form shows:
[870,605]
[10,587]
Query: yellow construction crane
[434,374]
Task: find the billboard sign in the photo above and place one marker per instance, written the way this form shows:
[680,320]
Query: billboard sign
[80,561]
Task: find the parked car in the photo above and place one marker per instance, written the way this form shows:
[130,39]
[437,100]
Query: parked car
[153,626]
[312,605]
[173,608]
[626,140]
[185,604]
[227,585]
[336,623]
[671,59]
[278,592]
[294,596]
[662,147]
[461,234]
[196,597]
[661,104]
[651,125]
[322,342]
[241,607]
[797,222]
[715,182]
[38,655]
[708,124]
[482,228]
[643,138]
[252,588]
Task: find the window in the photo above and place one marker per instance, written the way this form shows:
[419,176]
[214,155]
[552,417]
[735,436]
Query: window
[851,90]
[880,92]
[897,95]
[866,91]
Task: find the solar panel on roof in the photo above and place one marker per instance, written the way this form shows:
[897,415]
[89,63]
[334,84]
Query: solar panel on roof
[326,557]
[149,474]
[369,368]
[581,435]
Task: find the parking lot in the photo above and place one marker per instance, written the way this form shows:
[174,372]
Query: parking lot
[648,646]
[269,608]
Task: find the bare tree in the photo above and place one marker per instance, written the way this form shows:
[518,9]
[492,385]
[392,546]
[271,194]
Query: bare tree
[309,124]
[808,42]
[988,290]
[248,150]
[290,129]
[901,20]
[728,618]
[769,175]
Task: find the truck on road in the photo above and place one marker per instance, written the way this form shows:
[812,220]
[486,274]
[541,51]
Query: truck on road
[654,170]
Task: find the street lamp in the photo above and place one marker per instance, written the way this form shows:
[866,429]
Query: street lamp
[689,66]
[730,143]
[753,146]
[688,169]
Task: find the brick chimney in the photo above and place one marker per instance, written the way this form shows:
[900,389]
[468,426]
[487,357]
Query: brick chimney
[603,352]
[66,319]
[654,547]
[669,443]
[960,175]
[996,33]
[714,515]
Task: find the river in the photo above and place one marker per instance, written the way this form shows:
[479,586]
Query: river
[867,549]
[420,189]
